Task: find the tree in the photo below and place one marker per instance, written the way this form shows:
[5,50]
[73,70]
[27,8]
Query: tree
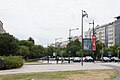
[99,46]
[8,44]
[114,50]
[50,50]
[107,49]
[31,40]
[24,51]
[74,47]
[26,43]
[37,51]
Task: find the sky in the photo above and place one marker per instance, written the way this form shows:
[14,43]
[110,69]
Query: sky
[45,20]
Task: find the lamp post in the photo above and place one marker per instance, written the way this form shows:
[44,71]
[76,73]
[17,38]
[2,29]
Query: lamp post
[93,27]
[83,15]
[56,41]
[118,56]
[92,37]
[55,47]
[69,41]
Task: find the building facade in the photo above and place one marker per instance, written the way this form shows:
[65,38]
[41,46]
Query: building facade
[1,28]
[117,31]
[108,33]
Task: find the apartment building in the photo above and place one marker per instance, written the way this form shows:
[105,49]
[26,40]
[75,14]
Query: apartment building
[117,31]
[107,33]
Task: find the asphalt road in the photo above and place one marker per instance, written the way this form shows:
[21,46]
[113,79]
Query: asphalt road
[28,68]
[54,67]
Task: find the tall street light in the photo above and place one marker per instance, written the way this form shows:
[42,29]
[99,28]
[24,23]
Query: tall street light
[118,55]
[93,36]
[93,28]
[55,47]
[84,14]
[56,41]
[69,41]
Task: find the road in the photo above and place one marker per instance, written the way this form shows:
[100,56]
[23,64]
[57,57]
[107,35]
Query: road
[54,67]
[116,66]
[29,68]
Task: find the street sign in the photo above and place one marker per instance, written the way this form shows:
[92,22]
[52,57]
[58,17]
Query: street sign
[109,53]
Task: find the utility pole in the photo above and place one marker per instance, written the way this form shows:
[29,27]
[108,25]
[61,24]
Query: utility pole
[92,37]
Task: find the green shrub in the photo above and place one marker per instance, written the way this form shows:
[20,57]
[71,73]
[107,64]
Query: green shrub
[12,62]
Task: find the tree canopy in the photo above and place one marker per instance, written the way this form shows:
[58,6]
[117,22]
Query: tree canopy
[8,44]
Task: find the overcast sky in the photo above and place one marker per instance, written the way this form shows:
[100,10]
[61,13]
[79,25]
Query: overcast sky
[45,20]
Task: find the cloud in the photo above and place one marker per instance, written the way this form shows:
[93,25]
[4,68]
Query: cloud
[45,20]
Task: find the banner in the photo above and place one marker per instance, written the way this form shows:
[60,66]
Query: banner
[87,46]
[93,43]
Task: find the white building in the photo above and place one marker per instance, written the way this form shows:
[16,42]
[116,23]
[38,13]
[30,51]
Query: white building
[104,33]
[63,44]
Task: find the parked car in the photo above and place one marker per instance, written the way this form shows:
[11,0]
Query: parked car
[76,59]
[88,59]
[114,59]
[105,59]
[71,58]
[66,59]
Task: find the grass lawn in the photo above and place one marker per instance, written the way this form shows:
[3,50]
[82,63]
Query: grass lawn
[65,75]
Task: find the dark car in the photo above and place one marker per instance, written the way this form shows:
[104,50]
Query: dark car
[88,59]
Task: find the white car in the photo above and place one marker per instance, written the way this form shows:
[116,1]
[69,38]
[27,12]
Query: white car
[105,59]
[114,59]
[76,59]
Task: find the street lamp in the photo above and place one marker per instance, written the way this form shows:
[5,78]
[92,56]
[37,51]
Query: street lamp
[55,47]
[83,15]
[118,56]
[69,41]
[93,36]
[93,27]
[56,41]
[70,32]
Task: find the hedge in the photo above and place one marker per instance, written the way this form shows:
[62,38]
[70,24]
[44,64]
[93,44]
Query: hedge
[11,62]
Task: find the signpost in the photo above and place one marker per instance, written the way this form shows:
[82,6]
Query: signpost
[109,53]
[102,52]
[54,54]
